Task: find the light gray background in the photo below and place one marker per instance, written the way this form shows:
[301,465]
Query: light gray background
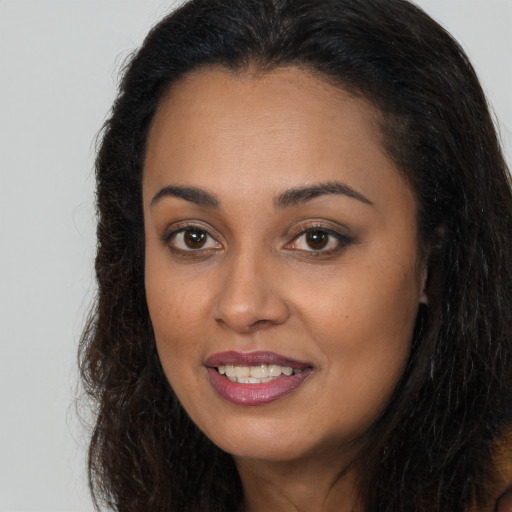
[58,62]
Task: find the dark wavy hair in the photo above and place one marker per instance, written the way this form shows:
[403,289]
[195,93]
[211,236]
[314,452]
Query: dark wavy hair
[431,448]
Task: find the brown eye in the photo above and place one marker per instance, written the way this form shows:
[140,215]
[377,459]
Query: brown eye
[194,238]
[317,240]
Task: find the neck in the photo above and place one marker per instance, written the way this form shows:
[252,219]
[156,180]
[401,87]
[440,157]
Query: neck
[297,486]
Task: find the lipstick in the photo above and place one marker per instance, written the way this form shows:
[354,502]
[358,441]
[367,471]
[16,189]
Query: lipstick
[255,378]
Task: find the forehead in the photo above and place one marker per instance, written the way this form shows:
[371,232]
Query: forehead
[289,94]
[287,127]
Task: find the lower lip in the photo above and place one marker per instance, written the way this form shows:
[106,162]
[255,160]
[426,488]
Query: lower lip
[256,394]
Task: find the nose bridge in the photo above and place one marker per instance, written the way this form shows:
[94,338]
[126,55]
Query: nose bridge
[249,296]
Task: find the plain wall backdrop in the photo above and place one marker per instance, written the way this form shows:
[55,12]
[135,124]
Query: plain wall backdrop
[58,69]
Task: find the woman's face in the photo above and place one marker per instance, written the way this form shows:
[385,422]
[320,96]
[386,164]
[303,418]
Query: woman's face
[282,267]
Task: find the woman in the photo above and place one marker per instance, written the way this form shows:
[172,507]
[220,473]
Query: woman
[303,265]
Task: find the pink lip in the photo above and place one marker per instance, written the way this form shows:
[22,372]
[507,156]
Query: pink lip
[253,359]
[255,394]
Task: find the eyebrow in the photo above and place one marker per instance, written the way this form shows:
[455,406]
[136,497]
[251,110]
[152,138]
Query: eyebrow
[191,194]
[296,196]
[287,199]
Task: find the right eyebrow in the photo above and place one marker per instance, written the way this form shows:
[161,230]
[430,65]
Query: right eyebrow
[191,194]
[296,196]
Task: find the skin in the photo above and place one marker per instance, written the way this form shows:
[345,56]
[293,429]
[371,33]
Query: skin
[505,502]
[502,458]
[348,309]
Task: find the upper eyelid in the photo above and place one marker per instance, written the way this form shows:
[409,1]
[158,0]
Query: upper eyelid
[341,233]
[322,229]
[179,227]
[331,227]
[343,239]
[298,229]
[169,240]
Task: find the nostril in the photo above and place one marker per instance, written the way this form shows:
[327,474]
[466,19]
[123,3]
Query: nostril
[259,323]
[248,327]
[246,301]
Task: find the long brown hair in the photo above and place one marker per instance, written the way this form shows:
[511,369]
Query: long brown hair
[430,450]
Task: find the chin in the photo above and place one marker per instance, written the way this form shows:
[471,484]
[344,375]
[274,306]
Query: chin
[281,440]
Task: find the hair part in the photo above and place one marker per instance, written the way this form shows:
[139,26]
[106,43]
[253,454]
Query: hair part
[430,449]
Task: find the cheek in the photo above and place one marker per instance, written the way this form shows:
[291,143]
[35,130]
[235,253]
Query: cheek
[174,311]
[174,317]
[173,301]
[367,302]
[363,324]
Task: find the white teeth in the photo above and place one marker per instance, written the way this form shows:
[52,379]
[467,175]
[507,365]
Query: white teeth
[242,372]
[274,370]
[256,374]
[259,372]
[230,370]
[250,380]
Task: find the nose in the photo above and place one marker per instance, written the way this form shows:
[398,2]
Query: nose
[249,297]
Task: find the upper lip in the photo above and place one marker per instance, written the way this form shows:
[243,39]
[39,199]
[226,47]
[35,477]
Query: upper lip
[234,358]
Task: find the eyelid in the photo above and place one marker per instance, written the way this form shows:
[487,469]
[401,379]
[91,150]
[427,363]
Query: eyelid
[331,227]
[180,227]
[301,229]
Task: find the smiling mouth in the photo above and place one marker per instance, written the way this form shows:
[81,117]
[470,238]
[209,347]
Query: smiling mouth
[259,374]
[255,378]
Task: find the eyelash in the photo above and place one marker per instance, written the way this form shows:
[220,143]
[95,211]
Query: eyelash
[168,239]
[342,241]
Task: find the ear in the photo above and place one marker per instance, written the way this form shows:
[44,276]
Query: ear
[424,275]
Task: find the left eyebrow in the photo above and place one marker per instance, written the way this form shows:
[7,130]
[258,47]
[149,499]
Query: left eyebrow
[296,196]
[191,194]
